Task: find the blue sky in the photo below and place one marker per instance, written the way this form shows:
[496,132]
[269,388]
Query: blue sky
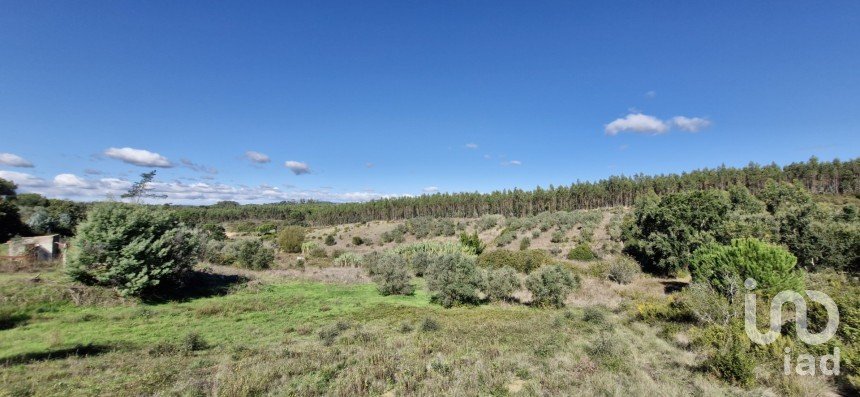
[369,99]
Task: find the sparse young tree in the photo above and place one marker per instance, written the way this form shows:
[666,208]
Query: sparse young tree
[139,190]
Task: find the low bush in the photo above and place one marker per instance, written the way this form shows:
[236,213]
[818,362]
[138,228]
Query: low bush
[581,252]
[330,240]
[550,285]
[430,325]
[558,237]
[453,279]
[250,254]
[318,252]
[392,275]
[521,261]
[290,239]
[489,221]
[501,284]
[308,246]
[348,259]
[357,240]
[506,237]
[732,363]
[525,243]
[623,270]
[472,242]
[609,349]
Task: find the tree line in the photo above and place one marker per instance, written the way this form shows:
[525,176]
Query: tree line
[818,177]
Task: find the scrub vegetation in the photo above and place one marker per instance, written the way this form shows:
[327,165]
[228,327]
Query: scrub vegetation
[631,286]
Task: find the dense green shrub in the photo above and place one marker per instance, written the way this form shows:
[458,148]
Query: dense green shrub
[10,220]
[250,254]
[732,363]
[522,261]
[550,285]
[453,279]
[473,242]
[330,240]
[420,262]
[131,248]
[771,266]
[623,270]
[214,231]
[357,240]
[392,275]
[581,252]
[290,239]
[664,232]
[267,228]
[501,284]
[212,251]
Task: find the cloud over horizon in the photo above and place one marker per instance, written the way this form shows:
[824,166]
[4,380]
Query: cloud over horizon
[138,157]
[646,124]
[14,160]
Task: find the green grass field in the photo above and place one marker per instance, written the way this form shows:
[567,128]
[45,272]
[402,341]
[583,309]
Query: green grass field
[274,335]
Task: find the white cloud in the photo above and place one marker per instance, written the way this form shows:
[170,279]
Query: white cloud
[645,124]
[257,157]
[487,156]
[430,189]
[369,165]
[297,167]
[471,146]
[651,94]
[139,157]
[14,160]
[22,180]
[637,122]
[690,124]
[512,162]
[70,180]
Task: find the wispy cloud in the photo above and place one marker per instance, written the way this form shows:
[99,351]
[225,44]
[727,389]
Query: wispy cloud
[690,124]
[430,189]
[74,187]
[651,94]
[297,167]
[198,167]
[512,162]
[139,157]
[14,160]
[257,157]
[646,124]
[471,146]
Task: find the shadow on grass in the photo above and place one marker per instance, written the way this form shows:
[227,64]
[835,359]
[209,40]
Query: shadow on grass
[194,284]
[9,321]
[672,286]
[56,354]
